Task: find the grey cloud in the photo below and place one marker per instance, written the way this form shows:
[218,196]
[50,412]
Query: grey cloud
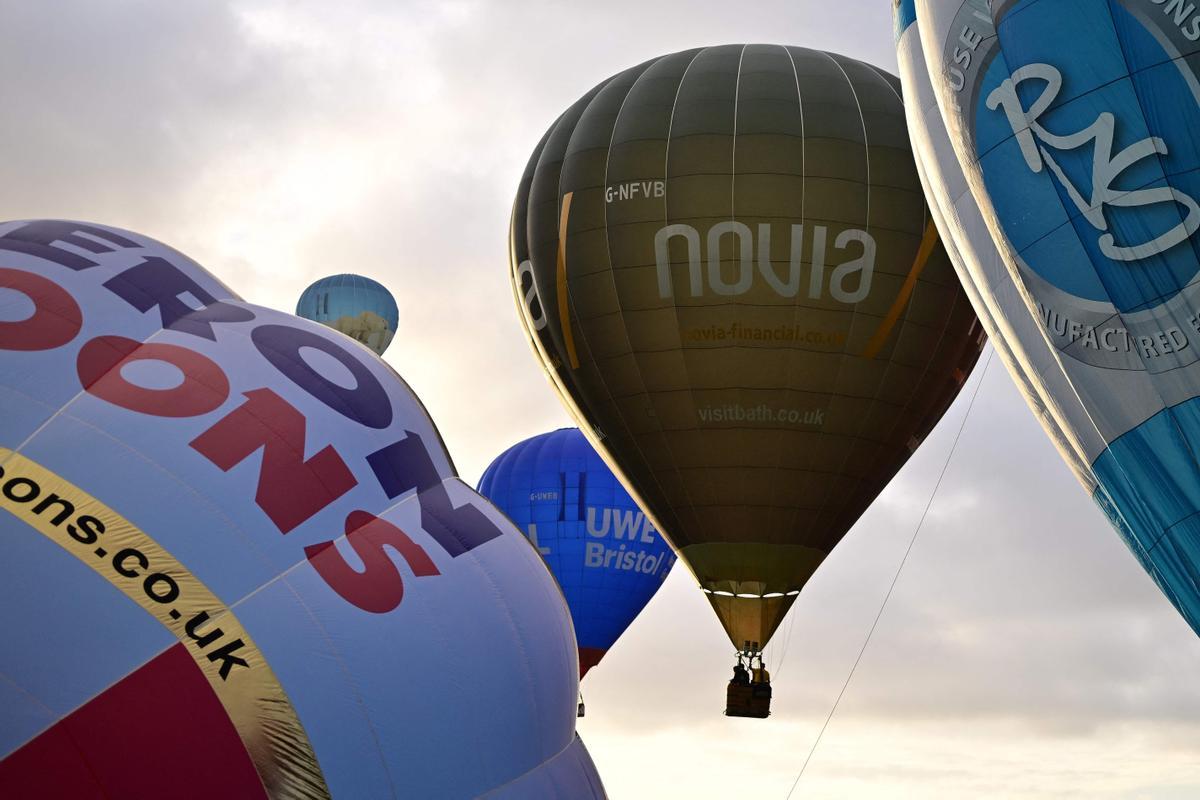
[116,107]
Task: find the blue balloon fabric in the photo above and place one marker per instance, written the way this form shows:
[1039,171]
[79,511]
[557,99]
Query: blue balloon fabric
[359,307]
[603,549]
[227,575]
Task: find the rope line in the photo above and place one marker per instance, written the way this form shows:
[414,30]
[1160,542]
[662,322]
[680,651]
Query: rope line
[896,577]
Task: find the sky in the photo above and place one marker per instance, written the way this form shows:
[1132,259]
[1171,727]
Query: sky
[1023,652]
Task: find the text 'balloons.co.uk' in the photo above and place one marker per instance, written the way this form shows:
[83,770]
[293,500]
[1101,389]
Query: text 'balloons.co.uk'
[359,307]
[602,549]
[1058,140]
[724,259]
[238,560]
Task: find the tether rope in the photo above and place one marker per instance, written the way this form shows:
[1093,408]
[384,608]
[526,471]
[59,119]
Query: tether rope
[899,569]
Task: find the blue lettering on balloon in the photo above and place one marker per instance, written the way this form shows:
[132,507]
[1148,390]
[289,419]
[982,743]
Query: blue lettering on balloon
[406,465]
[157,283]
[38,238]
[367,403]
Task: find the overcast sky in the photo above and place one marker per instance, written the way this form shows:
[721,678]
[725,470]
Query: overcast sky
[1023,654]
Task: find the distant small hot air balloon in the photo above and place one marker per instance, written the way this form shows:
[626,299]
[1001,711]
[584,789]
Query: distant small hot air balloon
[1068,131]
[725,262]
[226,575]
[359,307]
[602,549]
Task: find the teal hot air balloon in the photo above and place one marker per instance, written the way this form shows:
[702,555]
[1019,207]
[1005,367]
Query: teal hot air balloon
[359,307]
[1059,139]
[603,549]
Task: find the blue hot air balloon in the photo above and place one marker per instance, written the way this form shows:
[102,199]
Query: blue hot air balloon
[356,306]
[605,553]
[226,575]
[1060,141]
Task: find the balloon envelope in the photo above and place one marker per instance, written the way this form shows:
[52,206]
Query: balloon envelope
[724,259]
[600,546]
[229,575]
[359,307]
[1073,126]
[964,231]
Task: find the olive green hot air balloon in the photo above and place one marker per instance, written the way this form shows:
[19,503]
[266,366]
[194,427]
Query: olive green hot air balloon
[724,260]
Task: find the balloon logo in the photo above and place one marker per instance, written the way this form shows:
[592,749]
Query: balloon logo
[602,549]
[1072,194]
[1104,227]
[356,306]
[725,262]
[227,575]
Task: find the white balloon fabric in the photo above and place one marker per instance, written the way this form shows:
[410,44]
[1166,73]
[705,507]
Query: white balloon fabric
[239,562]
[1014,334]
[1059,142]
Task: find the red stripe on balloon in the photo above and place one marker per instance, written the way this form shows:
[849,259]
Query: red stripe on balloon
[56,316]
[588,658]
[159,732]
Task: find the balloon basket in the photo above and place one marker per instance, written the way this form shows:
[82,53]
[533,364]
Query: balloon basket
[748,700]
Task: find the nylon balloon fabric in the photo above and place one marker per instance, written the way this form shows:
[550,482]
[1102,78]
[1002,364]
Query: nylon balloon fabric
[724,260]
[359,307]
[1073,127]
[239,562]
[602,549]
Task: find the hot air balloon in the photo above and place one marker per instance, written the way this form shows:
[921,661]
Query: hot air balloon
[603,550]
[229,575]
[1015,337]
[1073,126]
[724,260]
[359,307]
